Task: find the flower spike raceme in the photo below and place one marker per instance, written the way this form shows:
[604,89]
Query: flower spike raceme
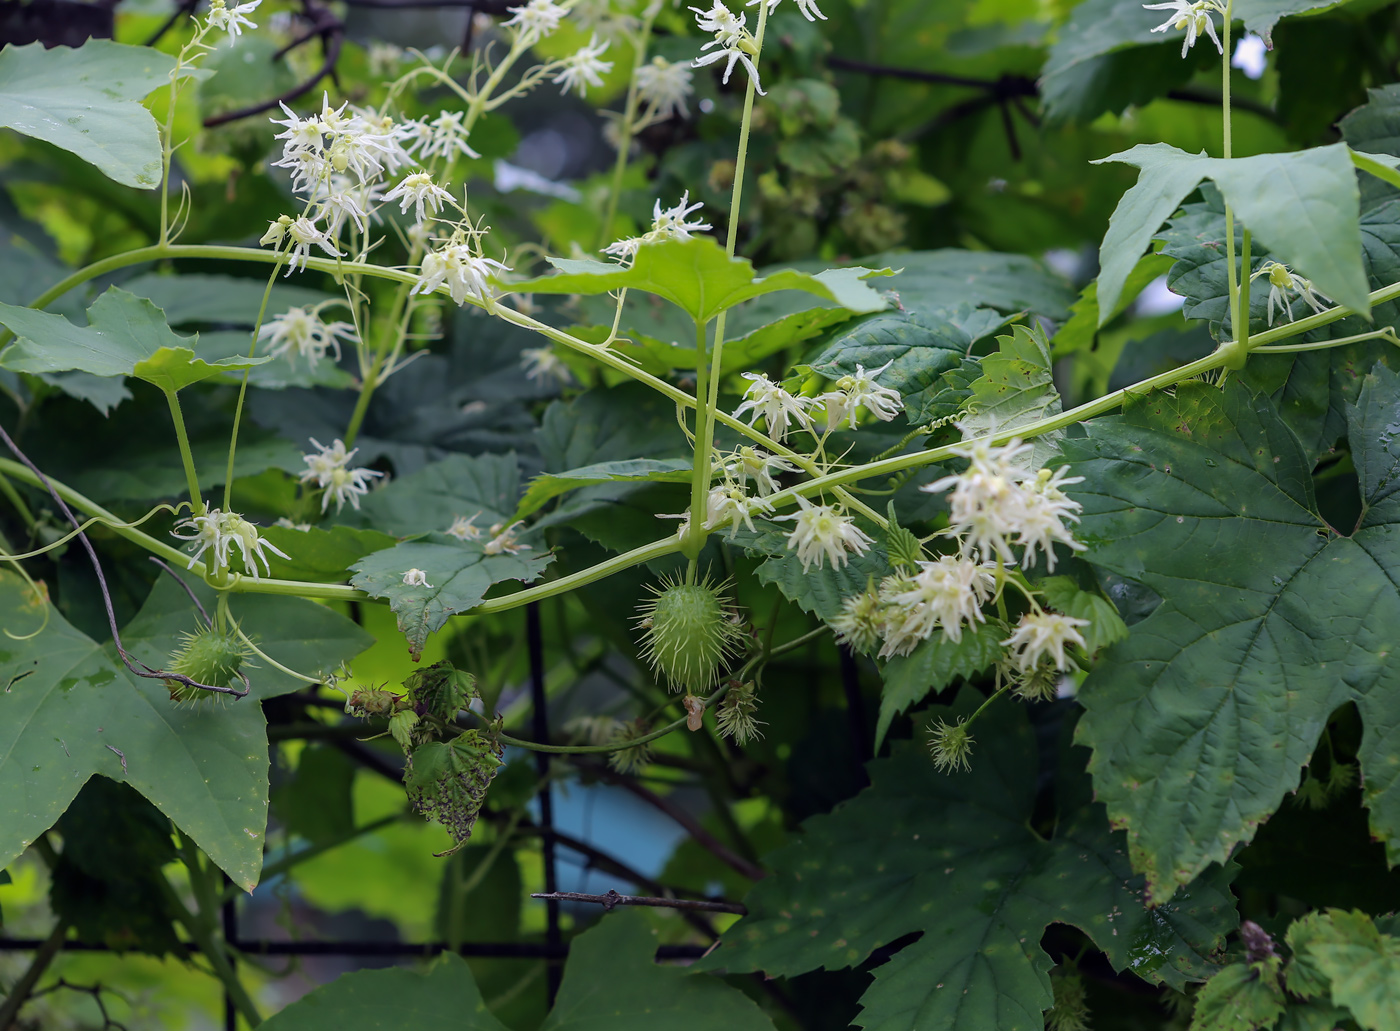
[1195,17]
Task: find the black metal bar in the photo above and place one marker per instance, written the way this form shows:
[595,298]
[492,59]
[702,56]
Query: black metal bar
[495,950]
[534,640]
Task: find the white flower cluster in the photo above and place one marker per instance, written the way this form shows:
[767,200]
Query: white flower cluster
[779,408]
[219,531]
[824,532]
[729,502]
[736,44]
[339,160]
[233,19]
[501,538]
[664,86]
[301,333]
[535,20]
[1195,16]
[996,505]
[584,67]
[459,264]
[329,470]
[666,224]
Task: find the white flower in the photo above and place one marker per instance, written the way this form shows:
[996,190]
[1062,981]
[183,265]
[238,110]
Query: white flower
[304,233]
[735,54]
[234,18]
[946,592]
[536,19]
[821,533]
[419,189]
[807,7]
[987,502]
[860,622]
[750,463]
[1195,18]
[599,16]
[853,392]
[1045,509]
[219,531]
[1044,633]
[719,19]
[465,273]
[666,224]
[443,136]
[337,205]
[1283,282]
[384,58]
[416,578]
[729,504]
[665,86]
[299,332]
[330,470]
[776,405]
[582,68]
[503,540]
[543,363]
[464,528]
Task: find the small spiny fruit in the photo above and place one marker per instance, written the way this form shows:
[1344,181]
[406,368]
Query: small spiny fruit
[206,656]
[687,633]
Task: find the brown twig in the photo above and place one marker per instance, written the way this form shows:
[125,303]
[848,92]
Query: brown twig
[612,898]
[184,7]
[22,989]
[331,31]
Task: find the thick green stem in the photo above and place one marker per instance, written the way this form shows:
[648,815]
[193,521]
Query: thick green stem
[186,456]
[200,926]
[704,438]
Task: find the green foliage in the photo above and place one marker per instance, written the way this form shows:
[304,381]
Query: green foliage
[1241,997]
[72,711]
[1321,238]
[457,575]
[1346,955]
[932,666]
[699,278]
[1236,661]
[88,101]
[1015,388]
[952,856]
[609,982]
[125,336]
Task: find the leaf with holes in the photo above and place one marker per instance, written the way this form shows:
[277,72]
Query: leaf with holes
[1201,720]
[954,857]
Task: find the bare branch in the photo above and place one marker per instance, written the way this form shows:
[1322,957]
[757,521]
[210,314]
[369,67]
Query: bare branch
[612,898]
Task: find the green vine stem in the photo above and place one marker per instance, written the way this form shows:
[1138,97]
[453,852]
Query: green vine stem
[186,455]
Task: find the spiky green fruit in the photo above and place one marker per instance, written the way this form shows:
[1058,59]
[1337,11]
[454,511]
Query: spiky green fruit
[206,656]
[687,634]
